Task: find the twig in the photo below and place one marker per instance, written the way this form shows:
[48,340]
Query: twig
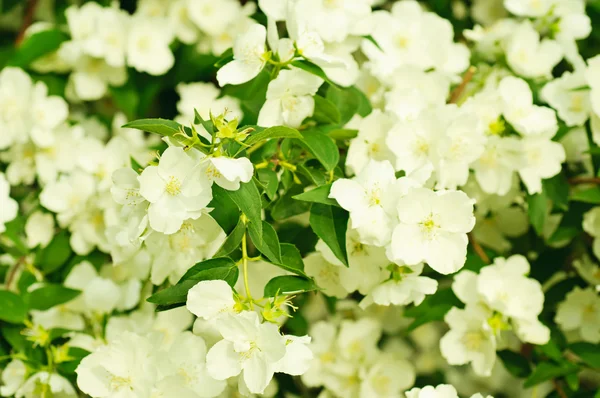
[27,20]
[457,92]
[13,271]
[559,389]
[479,250]
[584,180]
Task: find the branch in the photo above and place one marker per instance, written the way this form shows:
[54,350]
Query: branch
[559,390]
[479,250]
[584,180]
[27,20]
[458,91]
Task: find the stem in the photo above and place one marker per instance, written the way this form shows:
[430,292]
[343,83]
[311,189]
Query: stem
[559,389]
[584,180]
[27,20]
[245,270]
[479,250]
[458,91]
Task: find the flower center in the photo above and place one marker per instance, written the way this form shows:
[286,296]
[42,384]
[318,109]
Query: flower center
[473,340]
[173,187]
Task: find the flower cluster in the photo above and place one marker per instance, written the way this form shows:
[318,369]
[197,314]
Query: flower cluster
[317,198]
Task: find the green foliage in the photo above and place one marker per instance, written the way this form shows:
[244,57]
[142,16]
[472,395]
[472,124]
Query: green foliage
[330,224]
[47,296]
[13,307]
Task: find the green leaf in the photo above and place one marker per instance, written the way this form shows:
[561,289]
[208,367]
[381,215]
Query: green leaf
[342,134]
[537,210]
[316,175]
[557,190]
[8,5]
[549,370]
[225,58]
[433,308]
[55,255]
[164,127]
[313,69]
[330,224]
[288,284]
[36,46]
[347,100]
[372,40]
[12,307]
[205,269]
[222,268]
[326,111]
[207,124]
[286,206]
[126,98]
[233,240]
[269,180]
[247,199]
[590,195]
[516,364]
[291,259]
[272,132]
[322,147]
[224,210]
[48,296]
[318,195]
[588,352]
[267,242]
[14,231]
[69,367]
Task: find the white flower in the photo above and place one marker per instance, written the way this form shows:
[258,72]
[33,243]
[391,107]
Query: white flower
[529,8]
[99,295]
[13,377]
[370,142]
[15,105]
[581,312]
[369,198]
[47,113]
[530,57]
[10,207]
[408,288]
[591,225]
[91,77]
[209,299]
[298,356]
[226,172]
[148,46]
[173,255]
[126,367]
[289,99]
[247,346]
[387,377]
[68,196]
[213,18]
[494,170]
[55,384]
[433,228]
[325,274]
[569,97]
[470,339]
[335,20]
[59,316]
[357,340]
[519,111]
[186,371]
[441,391]
[544,159]
[249,57]
[39,229]
[176,190]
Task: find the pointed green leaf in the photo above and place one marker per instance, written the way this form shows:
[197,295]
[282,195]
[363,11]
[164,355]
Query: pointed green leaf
[50,295]
[322,147]
[288,284]
[164,127]
[12,307]
[233,240]
[272,132]
[318,195]
[330,224]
